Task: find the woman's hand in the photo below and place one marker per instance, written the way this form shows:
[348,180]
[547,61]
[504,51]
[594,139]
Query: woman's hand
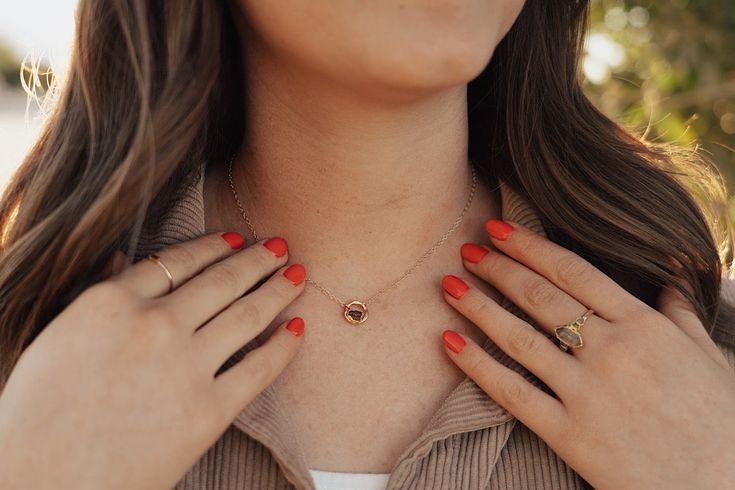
[118,391]
[648,400]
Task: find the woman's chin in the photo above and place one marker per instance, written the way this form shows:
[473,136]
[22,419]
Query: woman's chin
[421,75]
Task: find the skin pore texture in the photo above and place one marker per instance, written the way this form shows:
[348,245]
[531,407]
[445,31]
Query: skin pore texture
[356,153]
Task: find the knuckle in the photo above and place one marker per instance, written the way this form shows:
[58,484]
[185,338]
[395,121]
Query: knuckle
[540,293]
[480,306]
[157,317]
[513,393]
[279,286]
[263,257]
[522,341]
[179,253]
[491,263]
[644,316]
[527,244]
[250,312]
[224,275]
[570,269]
[484,311]
[216,242]
[476,364]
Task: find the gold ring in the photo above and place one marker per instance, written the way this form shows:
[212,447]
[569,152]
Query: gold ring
[155,258]
[569,335]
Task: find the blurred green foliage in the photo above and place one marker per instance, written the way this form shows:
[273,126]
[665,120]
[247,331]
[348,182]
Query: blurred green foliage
[9,66]
[668,68]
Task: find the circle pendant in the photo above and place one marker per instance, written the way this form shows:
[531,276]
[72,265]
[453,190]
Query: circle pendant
[356,312]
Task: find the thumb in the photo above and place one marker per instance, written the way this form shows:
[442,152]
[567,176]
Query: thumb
[672,303]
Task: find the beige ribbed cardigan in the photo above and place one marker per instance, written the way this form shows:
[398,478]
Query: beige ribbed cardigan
[471,442]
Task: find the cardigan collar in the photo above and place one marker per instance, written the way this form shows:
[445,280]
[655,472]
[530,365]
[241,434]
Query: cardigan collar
[466,408]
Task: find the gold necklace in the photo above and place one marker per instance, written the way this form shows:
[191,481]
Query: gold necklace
[357,311]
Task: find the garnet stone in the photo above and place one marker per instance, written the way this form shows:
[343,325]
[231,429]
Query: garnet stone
[356,312]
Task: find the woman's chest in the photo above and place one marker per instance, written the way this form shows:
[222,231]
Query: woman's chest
[358,395]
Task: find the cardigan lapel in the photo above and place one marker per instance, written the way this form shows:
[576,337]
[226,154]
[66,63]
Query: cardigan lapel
[466,408]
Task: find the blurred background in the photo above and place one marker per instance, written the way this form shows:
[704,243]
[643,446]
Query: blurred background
[666,68]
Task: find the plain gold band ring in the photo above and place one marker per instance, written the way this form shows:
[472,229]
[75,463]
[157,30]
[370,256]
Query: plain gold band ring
[155,258]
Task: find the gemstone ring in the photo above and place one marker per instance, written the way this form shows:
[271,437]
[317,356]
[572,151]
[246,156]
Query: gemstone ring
[569,335]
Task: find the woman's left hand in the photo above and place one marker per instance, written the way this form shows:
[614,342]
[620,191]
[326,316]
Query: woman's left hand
[648,400]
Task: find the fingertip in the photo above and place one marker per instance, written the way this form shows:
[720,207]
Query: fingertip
[296,273]
[498,228]
[296,326]
[277,245]
[234,239]
[453,340]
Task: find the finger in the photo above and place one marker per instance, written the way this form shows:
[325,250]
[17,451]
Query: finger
[567,270]
[540,298]
[517,338]
[539,411]
[241,383]
[676,308]
[183,260]
[247,317]
[218,285]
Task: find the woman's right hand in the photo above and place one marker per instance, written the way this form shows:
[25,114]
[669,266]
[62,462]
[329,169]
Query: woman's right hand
[119,390]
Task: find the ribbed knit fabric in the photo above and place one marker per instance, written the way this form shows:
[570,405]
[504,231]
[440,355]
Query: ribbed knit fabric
[471,442]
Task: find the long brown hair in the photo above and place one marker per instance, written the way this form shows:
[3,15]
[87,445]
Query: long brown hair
[149,94]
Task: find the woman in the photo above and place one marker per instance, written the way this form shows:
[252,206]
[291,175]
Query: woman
[356,136]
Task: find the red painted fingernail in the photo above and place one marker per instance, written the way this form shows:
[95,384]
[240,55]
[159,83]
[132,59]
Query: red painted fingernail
[473,252]
[295,273]
[277,245]
[234,239]
[296,325]
[498,228]
[454,286]
[453,340]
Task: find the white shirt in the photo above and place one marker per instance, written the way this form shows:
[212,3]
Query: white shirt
[332,480]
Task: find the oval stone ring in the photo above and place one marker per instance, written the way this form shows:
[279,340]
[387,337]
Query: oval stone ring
[569,335]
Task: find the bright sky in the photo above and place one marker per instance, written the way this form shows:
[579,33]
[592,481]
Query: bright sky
[44,28]
[38,29]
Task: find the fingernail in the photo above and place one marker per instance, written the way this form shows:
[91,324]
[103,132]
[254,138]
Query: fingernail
[498,228]
[472,252]
[296,325]
[234,239]
[295,273]
[454,285]
[453,340]
[277,245]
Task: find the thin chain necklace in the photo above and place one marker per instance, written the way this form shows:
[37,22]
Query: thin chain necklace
[357,311]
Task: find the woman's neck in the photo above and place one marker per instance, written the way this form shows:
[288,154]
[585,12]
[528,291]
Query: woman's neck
[346,180]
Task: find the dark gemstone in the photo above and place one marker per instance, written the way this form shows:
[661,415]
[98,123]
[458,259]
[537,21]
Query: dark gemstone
[355,314]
